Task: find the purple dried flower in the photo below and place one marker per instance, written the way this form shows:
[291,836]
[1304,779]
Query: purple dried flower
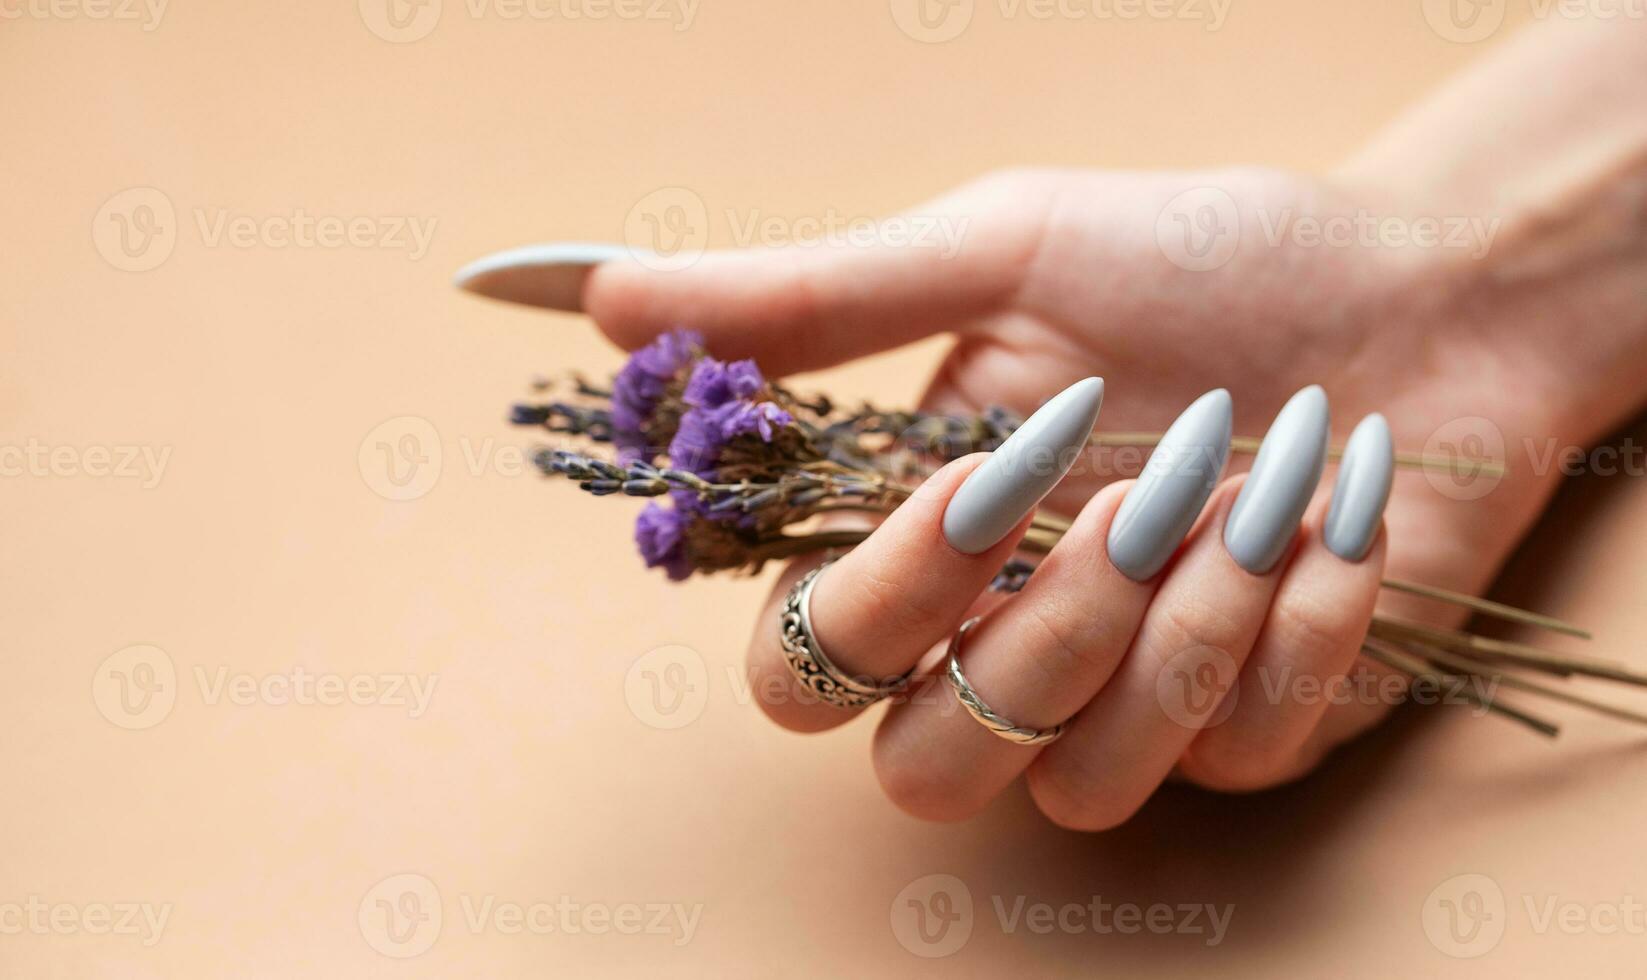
[742,418]
[714,383]
[659,532]
[642,384]
[697,443]
[722,410]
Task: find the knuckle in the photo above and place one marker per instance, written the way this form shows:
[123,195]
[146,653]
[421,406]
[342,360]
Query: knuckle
[896,607]
[1237,766]
[1075,808]
[1058,643]
[1225,778]
[922,791]
[1310,623]
[790,705]
[1190,623]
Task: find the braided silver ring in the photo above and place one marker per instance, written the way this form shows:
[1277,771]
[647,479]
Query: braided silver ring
[980,711]
[811,666]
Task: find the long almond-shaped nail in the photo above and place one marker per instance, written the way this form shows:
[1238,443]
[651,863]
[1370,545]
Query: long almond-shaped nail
[1015,477]
[550,276]
[1363,488]
[1266,514]
[1179,477]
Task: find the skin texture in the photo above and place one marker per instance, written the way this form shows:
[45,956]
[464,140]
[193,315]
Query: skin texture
[1064,274]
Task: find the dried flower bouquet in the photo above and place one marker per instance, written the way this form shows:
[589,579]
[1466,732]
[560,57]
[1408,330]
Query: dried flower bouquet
[739,468]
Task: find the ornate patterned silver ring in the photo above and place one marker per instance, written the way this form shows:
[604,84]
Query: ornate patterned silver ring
[811,666]
[980,711]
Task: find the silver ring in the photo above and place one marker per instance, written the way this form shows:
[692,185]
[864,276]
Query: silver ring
[980,711]
[811,666]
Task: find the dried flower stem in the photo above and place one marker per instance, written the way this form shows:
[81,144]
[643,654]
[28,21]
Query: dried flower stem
[1457,641]
[1415,667]
[1055,526]
[1488,608]
[1461,663]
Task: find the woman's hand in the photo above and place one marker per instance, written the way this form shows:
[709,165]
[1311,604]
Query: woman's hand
[1451,323]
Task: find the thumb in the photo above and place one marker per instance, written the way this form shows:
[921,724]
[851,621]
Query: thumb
[798,307]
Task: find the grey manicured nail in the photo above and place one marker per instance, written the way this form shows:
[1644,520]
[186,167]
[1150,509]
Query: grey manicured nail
[1162,506]
[549,276]
[1015,477]
[1266,514]
[1363,488]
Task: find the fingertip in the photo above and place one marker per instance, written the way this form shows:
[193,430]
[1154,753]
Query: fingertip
[550,275]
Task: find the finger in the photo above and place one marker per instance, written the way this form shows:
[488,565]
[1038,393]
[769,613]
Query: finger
[1312,635]
[798,307]
[906,587]
[1036,660]
[1042,656]
[1197,633]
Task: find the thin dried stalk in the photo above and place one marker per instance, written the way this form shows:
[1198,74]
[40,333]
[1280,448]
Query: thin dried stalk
[1398,659]
[1457,641]
[1461,663]
[1057,525]
[1488,608]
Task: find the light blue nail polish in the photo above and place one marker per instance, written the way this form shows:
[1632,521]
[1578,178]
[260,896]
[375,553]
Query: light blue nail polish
[1365,476]
[1015,477]
[550,275]
[1289,464]
[1181,473]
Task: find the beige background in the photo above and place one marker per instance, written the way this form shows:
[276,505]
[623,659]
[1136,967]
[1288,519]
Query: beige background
[266,544]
